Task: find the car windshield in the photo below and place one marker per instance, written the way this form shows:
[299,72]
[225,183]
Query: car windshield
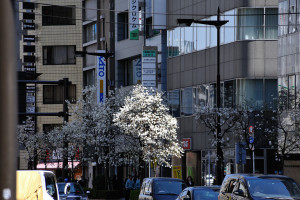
[205,194]
[273,187]
[74,189]
[165,187]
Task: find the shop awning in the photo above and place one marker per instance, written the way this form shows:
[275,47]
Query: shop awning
[54,165]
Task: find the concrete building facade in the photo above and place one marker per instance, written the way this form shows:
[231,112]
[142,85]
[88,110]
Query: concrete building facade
[248,70]
[288,69]
[51,33]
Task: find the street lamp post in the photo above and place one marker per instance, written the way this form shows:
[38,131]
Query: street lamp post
[218,24]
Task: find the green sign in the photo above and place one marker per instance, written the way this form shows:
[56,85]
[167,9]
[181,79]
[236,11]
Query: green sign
[149,53]
[134,35]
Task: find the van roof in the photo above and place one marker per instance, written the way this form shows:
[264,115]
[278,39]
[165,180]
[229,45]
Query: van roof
[163,178]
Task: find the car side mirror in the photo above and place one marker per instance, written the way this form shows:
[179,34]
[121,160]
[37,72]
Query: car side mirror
[239,192]
[67,188]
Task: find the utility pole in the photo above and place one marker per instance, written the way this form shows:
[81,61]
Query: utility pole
[66,119]
[65,113]
[8,103]
[218,24]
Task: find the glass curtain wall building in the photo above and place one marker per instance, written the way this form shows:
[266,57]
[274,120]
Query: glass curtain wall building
[288,54]
[244,24]
[248,70]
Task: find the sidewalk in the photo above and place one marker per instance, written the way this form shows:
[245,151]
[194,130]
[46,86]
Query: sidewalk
[109,199]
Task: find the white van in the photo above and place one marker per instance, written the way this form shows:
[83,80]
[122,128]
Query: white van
[36,184]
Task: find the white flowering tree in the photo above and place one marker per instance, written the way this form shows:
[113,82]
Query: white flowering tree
[153,131]
[286,126]
[212,118]
[35,144]
[91,129]
[207,116]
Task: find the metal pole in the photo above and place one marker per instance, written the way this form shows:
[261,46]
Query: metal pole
[149,169]
[164,56]
[8,103]
[253,155]
[219,173]
[66,119]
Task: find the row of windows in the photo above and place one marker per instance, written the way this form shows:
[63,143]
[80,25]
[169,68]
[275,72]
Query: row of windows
[243,24]
[289,16]
[289,91]
[235,93]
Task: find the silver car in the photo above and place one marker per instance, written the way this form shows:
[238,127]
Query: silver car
[71,191]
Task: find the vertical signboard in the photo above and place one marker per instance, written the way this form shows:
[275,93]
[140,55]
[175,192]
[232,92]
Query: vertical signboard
[177,172]
[149,63]
[137,71]
[134,19]
[101,77]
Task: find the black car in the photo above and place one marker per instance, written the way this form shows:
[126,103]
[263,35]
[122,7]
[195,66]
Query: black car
[200,193]
[71,191]
[258,187]
[160,188]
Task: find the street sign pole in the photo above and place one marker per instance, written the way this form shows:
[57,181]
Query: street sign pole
[253,161]
[251,141]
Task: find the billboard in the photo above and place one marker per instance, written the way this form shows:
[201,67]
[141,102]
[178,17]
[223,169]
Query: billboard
[134,19]
[101,77]
[149,63]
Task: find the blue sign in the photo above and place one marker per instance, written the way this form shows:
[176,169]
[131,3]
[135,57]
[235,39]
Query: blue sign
[251,139]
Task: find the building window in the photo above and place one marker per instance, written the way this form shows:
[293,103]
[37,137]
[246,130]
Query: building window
[292,16]
[257,23]
[59,55]
[201,93]
[283,93]
[250,23]
[58,15]
[174,102]
[49,127]
[271,93]
[283,9]
[186,101]
[90,32]
[54,94]
[250,93]
[89,77]
[229,94]
[122,26]
[271,24]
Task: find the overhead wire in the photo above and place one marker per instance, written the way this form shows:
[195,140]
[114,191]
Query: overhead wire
[143,24]
[150,13]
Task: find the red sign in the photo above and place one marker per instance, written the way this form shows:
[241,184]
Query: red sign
[251,129]
[186,143]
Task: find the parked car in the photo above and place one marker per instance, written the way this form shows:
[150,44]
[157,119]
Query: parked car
[200,193]
[71,191]
[160,188]
[258,187]
[36,184]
